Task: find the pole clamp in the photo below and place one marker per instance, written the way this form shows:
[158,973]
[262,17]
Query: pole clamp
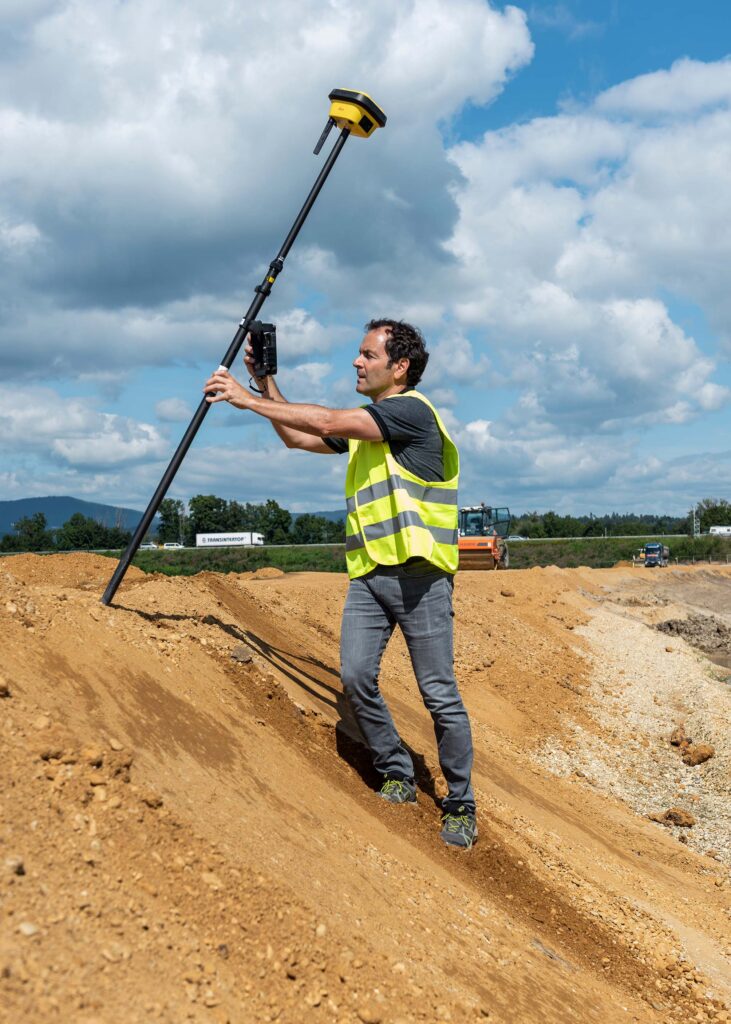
[275,269]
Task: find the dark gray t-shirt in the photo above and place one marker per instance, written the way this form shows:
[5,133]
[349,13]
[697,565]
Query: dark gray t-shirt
[409,427]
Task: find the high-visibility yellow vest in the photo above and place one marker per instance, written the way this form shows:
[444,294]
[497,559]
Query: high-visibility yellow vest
[394,515]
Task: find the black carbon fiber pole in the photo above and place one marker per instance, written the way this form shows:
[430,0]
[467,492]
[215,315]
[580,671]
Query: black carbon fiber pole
[262,292]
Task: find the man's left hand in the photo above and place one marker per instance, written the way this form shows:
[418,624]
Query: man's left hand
[227,389]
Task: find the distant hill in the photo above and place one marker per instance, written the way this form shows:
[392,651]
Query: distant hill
[58,510]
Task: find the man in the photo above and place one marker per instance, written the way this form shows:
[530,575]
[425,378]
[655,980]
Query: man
[401,549]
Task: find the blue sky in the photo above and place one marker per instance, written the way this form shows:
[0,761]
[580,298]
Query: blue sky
[548,202]
[583,48]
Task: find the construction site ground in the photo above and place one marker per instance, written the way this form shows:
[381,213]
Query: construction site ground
[191,832]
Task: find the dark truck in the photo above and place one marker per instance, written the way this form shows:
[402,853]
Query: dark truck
[656,554]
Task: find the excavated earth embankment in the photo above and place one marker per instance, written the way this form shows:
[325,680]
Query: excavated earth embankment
[190,830]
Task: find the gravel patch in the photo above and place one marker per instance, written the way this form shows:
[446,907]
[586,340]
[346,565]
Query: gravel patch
[643,687]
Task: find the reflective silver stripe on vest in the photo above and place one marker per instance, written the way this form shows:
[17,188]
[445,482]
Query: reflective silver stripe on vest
[389,527]
[422,492]
[354,542]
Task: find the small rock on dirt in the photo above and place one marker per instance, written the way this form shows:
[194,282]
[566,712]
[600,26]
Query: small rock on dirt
[677,736]
[42,722]
[368,1015]
[4,688]
[698,753]
[50,750]
[151,798]
[115,744]
[507,593]
[674,816]
[115,952]
[93,756]
[14,865]
[242,654]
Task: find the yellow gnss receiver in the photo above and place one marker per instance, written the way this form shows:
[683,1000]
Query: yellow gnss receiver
[354,111]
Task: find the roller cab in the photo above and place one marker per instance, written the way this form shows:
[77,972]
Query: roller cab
[482,533]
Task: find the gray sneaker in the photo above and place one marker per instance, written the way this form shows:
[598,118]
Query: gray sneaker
[398,791]
[459,829]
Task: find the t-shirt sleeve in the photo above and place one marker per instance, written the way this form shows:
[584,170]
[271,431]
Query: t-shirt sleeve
[338,444]
[402,419]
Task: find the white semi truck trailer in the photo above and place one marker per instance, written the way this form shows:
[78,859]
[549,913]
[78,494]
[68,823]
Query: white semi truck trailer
[228,540]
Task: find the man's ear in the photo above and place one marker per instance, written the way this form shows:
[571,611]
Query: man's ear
[402,367]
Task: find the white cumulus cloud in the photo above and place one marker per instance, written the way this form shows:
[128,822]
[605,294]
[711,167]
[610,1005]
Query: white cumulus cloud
[72,430]
[576,233]
[687,87]
[173,410]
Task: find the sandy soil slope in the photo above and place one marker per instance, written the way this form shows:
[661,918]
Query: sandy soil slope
[190,831]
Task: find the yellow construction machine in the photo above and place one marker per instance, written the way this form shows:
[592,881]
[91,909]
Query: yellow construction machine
[482,533]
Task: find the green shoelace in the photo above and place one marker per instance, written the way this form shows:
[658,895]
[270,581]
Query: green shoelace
[453,822]
[393,786]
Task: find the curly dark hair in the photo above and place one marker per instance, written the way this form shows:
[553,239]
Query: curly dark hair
[404,342]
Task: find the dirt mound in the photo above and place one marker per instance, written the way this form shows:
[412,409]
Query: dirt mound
[267,573]
[85,572]
[705,632]
[190,831]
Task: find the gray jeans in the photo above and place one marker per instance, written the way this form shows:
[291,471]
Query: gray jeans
[421,604]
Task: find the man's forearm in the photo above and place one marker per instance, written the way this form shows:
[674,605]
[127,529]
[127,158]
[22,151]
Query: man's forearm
[270,389]
[299,425]
[293,436]
[289,418]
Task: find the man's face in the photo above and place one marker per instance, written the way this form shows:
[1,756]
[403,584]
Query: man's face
[375,375]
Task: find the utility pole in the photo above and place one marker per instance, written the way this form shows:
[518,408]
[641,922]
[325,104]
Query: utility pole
[695,522]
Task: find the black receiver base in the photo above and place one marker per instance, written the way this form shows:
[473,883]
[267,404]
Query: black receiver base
[263,339]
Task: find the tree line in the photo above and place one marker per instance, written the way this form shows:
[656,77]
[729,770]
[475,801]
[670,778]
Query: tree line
[80,532]
[205,513]
[536,525]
